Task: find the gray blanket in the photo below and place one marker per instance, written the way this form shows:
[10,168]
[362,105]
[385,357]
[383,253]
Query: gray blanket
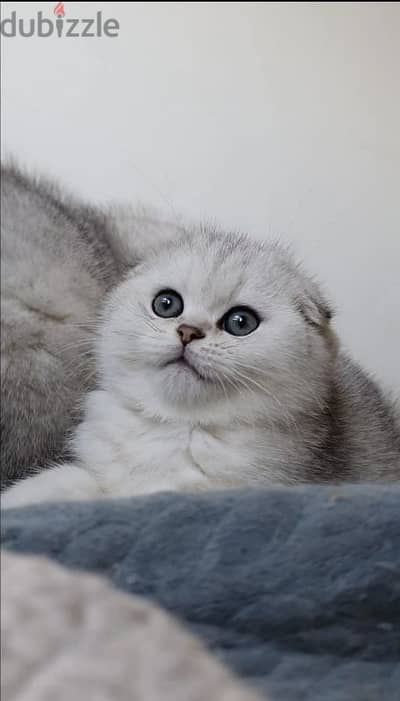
[296,590]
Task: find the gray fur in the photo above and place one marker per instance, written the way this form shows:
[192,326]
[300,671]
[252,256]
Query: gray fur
[56,267]
[357,435]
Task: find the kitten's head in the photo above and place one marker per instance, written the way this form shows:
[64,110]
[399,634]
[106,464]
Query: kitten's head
[216,327]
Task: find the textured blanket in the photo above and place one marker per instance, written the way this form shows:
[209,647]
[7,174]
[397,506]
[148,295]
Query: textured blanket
[296,590]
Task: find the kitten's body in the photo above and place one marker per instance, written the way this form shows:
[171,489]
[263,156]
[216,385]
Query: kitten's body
[56,268]
[277,406]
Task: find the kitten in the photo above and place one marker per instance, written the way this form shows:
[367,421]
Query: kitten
[57,265]
[218,368]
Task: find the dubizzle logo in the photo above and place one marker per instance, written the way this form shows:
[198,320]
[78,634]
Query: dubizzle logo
[61,27]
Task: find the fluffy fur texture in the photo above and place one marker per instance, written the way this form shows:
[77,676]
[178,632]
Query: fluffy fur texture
[57,265]
[278,406]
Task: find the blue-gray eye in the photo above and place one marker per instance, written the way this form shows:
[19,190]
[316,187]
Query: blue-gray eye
[240,321]
[167,304]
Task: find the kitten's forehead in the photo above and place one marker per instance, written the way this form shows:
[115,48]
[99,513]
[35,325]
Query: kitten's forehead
[224,269]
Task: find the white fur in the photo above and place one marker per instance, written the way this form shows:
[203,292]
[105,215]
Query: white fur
[237,417]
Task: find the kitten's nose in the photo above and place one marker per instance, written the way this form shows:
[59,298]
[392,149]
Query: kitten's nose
[189,333]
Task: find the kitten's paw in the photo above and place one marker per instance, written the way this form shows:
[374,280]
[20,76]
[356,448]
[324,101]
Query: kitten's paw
[63,483]
[14,498]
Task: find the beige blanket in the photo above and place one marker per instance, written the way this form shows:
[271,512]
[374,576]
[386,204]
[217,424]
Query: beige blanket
[70,637]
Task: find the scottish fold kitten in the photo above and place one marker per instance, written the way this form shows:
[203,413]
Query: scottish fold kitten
[56,266]
[217,368]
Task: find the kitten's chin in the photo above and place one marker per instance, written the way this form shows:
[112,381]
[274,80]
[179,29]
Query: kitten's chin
[181,368]
[183,384]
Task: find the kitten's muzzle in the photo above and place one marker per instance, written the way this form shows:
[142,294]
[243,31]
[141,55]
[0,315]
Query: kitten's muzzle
[188,333]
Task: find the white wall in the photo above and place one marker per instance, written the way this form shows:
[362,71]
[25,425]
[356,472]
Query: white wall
[275,118]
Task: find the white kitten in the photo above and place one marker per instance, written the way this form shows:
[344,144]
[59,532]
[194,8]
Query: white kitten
[217,368]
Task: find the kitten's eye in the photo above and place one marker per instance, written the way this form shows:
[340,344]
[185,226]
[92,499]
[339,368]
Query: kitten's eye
[240,321]
[167,304]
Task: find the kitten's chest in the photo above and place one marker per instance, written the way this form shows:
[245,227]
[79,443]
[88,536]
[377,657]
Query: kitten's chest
[170,456]
[135,455]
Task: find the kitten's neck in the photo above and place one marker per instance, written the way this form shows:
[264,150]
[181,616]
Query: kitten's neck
[237,412]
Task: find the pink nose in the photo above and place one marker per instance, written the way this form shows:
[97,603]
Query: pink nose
[189,333]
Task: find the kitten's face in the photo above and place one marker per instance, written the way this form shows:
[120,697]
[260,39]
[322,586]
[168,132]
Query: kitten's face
[214,327]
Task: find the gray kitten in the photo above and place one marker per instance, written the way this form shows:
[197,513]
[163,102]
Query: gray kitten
[57,265]
[217,367]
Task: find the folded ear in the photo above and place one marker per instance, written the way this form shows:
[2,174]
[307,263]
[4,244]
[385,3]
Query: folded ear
[315,310]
